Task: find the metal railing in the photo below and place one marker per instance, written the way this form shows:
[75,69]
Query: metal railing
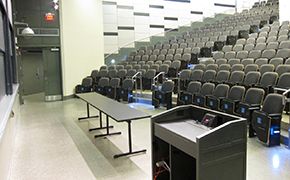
[156,79]
[137,76]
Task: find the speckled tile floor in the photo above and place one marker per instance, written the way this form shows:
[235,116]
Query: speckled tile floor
[52,144]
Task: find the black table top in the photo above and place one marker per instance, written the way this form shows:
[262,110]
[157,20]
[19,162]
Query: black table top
[114,109]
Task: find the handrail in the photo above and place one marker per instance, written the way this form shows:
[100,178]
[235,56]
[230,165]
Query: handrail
[170,30]
[135,75]
[158,75]
[286,92]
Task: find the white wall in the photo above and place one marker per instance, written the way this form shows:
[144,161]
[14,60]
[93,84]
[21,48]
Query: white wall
[284,7]
[82,43]
[128,20]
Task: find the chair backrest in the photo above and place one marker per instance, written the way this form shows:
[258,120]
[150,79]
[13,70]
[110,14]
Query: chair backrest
[283,53]
[255,54]
[207,89]
[225,67]
[242,54]
[237,77]
[196,75]
[222,76]
[283,68]
[209,75]
[284,45]
[103,82]
[218,54]
[251,67]
[87,82]
[266,68]
[247,61]
[185,74]
[276,61]
[131,72]
[167,86]
[273,104]
[103,73]
[164,68]
[94,74]
[272,45]
[212,67]
[236,93]
[234,61]
[221,90]
[238,47]
[112,73]
[237,67]
[150,74]
[193,87]
[115,82]
[222,61]
[230,55]
[269,79]
[252,78]
[254,96]
[128,84]
[249,47]
[175,64]
[283,81]
[268,53]
[261,61]
[200,67]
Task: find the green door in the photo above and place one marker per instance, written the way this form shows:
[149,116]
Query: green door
[52,74]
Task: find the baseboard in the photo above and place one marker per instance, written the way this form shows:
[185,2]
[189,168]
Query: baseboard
[68,97]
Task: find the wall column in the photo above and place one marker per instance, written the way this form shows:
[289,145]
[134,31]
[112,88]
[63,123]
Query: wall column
[82,41]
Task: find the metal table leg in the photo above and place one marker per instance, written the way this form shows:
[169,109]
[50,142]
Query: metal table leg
[130,152]
[88,114]
[108,131]
[101,124]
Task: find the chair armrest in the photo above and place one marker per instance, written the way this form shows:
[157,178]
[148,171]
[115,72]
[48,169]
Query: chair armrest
[275,115]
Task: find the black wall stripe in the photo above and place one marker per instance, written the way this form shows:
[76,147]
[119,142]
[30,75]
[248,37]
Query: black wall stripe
[156,26]
[182,1]
[170,29]
[171,18]
[156,6]
[110,34]
[225,5]
[196,12]
[125,28]
[140,14]
[124,7]
[109,3]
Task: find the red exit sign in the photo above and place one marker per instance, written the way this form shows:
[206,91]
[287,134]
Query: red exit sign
[49,17]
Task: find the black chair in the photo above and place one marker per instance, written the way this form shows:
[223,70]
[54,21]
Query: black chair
[253,101]
[266,122]
[174,68]
[182,81]
[86,86]
[282,86]
[236,78]
[206,90]
[125,93]
[147,79]
[186,97]
[268,81]
[220,92]
[229,104]
[102,86]
[208,76]
[251,79]
[113,88]
[163,95]
[222,77]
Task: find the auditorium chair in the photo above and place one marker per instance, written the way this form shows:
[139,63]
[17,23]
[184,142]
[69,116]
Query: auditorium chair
[229,104]
[102,85]
[147,79]
[186,97]
[267,121]
[220,92]
[86,86]
[163,95]
[125,93]
[253,101]
[113,88]
[206,90]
